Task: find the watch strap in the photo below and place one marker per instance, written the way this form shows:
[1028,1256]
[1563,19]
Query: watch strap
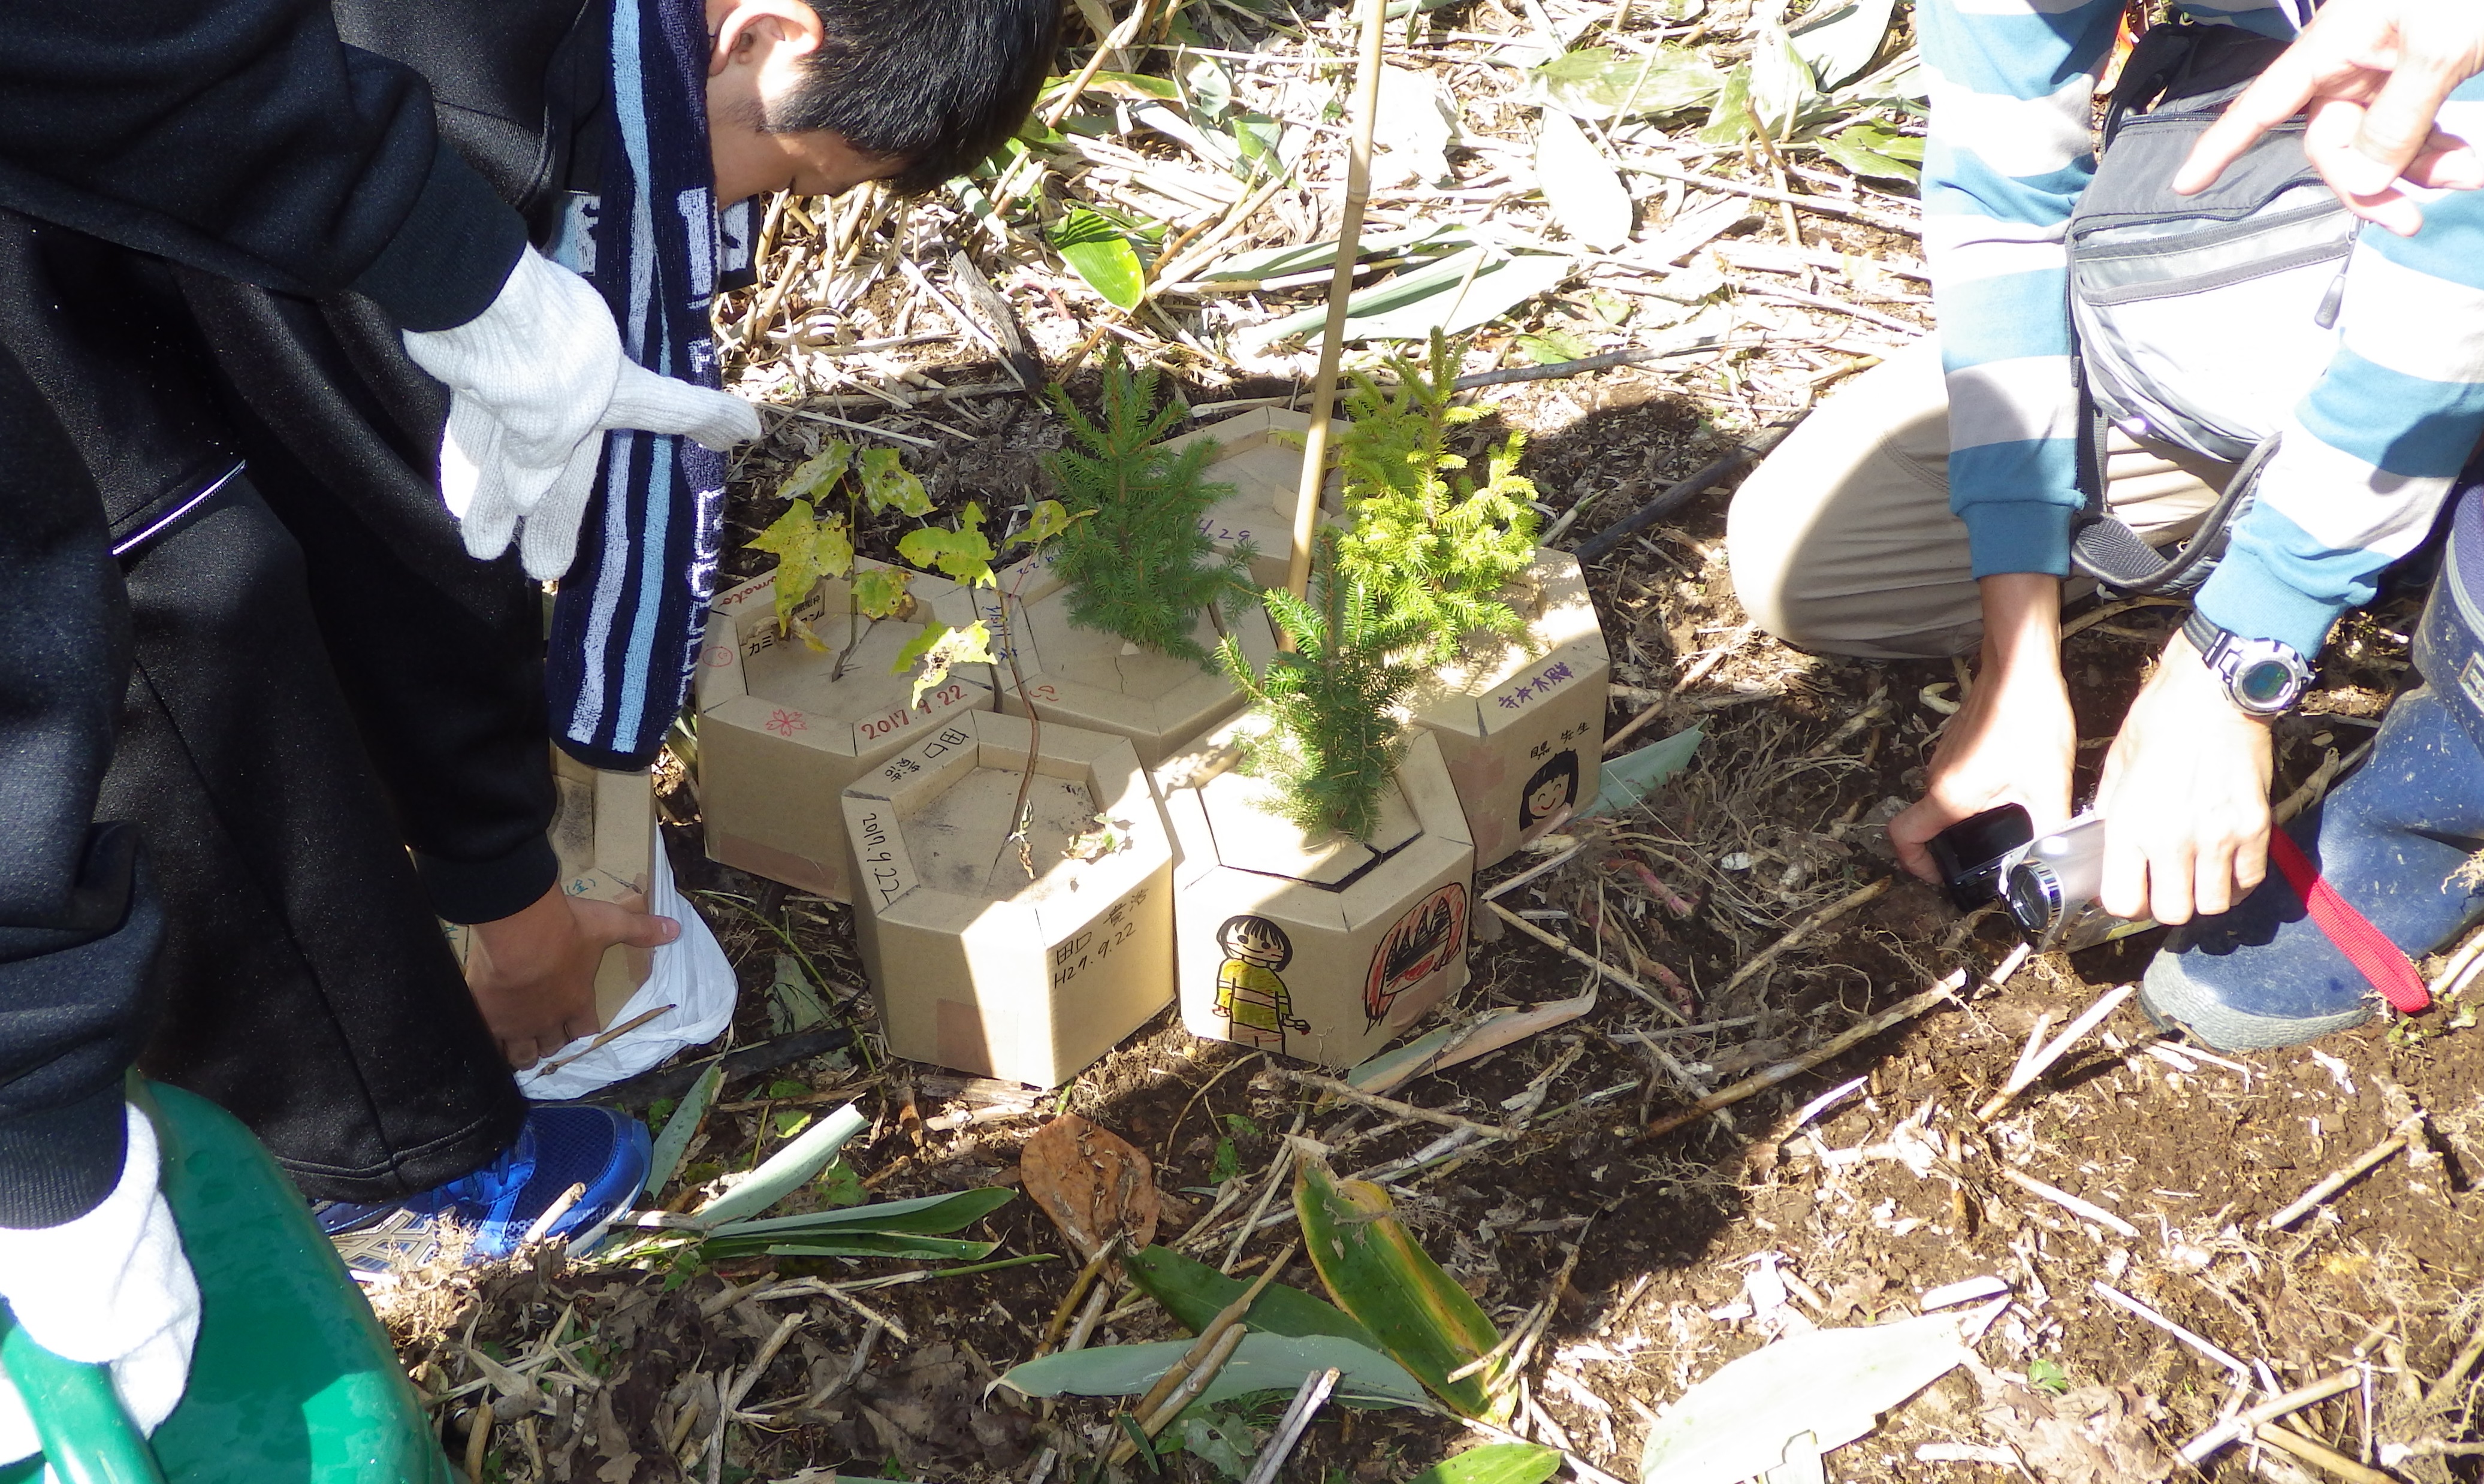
[2205,634]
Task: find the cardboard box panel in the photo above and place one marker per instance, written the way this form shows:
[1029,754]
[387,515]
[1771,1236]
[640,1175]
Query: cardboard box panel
[1098,681]
[978,962]
[604,832]
[1521,726]
[783,728]
[1266,472]
[1332,963]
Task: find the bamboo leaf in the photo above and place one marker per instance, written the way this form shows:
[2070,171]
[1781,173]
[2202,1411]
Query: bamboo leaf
[1729,122]
[787,1169]
[1453,295]
[1195,1294]
[922,1216]
[860,1243]
[1376,1272]
[1261,1362]
[1596,82]
[1869,149]
[664,1161]
[1580,184]
[1494,1462]
[1102,256]
[1839,38]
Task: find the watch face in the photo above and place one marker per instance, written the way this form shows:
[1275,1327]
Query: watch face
[2263,683]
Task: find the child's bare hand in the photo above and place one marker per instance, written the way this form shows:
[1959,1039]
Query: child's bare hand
[533,973]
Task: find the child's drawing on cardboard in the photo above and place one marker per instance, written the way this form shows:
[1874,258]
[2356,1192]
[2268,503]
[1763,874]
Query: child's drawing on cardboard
[1249,997]
[1552,790]
[1425,941]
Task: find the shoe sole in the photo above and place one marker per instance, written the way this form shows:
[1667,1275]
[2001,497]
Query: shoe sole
[2168,996]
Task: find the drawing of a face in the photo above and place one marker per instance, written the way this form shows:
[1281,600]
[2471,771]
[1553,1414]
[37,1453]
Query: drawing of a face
[1424,941]
[1255,940]
[1553,788]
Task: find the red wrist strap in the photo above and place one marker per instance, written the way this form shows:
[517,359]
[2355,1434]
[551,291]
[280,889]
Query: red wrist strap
[2366,947]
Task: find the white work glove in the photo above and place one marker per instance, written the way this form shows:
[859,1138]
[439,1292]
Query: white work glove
[534,383]
[112,1286]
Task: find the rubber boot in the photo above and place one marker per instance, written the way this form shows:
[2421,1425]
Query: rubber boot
[2391,840]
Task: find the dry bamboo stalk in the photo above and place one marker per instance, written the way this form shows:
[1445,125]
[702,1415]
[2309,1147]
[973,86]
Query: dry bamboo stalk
[2318,1454]
[2399,1137]
[2235,1427]
[1308,1399]
[1760,1081]
[2087,1209]
[1804,929]
[1825,205]
[1589,960]
[1341,287]
[1227,1320]
[2034,1066]
[1335,1087]
[1086,1277]
[2209,1349]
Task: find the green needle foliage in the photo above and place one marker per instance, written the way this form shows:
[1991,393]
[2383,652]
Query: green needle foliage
[1437,549]
[1139,565]
[1336,739]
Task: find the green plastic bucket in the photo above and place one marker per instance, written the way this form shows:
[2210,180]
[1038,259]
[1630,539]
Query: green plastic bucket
[293,1381]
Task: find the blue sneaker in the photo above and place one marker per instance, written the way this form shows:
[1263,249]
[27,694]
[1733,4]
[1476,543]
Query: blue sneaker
[526,1195]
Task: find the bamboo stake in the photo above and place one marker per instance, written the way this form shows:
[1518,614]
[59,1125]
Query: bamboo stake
[1759,1081]
[2235,1427]
[1341,287]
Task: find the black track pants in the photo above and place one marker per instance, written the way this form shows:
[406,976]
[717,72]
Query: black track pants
[310,989]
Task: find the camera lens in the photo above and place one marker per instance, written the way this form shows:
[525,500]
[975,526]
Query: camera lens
[2035,897]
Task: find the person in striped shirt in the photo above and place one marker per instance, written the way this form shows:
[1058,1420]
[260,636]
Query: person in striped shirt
[1928,509]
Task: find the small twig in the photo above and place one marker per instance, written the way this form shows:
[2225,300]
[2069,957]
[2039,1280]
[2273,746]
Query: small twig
[872,1314]
[1539,868]
[1165,1149]
[2406,1133]
[1804,929]
[1549,940]
[2235,1427]
[1188,1376]
[1759,1081]
[2454,974]
[2068,1202]
[609,1036]
[555,1212]
[1716,473]
[1824,302]
[2206,1348]
[1821,204]
[1277,1169]
[1308,1400]
[1348,1092]
[2032,1067]
[2317,787]
[2437,1395]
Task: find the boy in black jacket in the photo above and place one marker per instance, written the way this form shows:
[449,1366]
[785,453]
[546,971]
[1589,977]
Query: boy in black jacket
[222,233]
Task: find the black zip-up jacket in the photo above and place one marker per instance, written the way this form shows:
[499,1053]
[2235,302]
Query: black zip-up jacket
[243,144]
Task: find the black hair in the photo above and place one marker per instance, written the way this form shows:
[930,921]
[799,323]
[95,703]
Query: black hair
[1561,765]
[938,84]
[1252,922]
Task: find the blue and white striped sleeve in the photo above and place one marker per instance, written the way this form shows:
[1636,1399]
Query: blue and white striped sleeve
[2009,151]
[2371,451]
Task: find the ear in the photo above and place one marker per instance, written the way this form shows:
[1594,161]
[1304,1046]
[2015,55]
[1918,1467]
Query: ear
[740,28]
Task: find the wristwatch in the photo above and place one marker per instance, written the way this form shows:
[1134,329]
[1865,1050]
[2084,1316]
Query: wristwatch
[2263,677]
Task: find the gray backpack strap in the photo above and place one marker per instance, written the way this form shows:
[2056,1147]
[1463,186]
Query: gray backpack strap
[2104,547]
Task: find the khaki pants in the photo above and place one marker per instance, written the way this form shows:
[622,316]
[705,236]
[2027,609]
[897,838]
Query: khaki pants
[1842,541]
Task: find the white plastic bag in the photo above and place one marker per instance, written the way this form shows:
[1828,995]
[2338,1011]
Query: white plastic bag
[690,974]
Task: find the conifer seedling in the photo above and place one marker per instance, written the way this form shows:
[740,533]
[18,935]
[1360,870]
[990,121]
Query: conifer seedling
[1334,701]
[1140,565]
[1433,545]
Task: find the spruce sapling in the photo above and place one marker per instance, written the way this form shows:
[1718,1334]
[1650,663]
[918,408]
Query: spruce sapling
[1139,565]
[1435,552]
[1334,701]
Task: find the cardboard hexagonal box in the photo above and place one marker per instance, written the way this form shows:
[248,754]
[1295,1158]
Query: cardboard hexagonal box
[1266,472]
[1325,950]
[1009,952]
[1522,725]
[1089,678]
[783,727]
[604,832]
